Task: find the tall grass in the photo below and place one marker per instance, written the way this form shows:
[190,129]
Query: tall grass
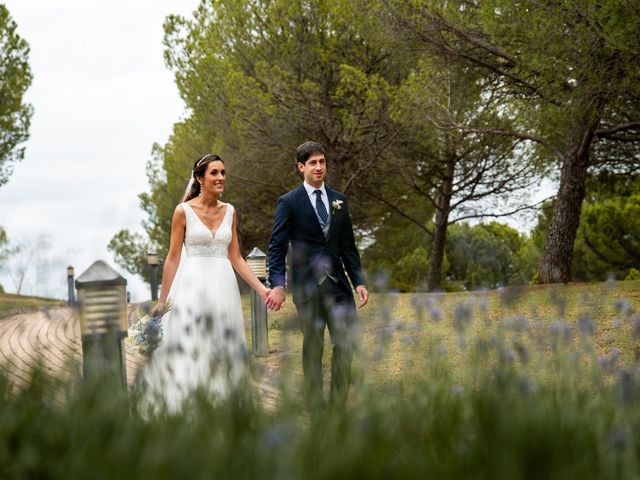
[471,394]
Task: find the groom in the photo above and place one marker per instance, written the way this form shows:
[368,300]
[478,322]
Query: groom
[315,220]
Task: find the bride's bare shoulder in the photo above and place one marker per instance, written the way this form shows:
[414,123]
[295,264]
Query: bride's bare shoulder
[178,212]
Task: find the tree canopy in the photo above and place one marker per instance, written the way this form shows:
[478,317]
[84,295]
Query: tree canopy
[263,77]
[453,161]
[15,78]
[260,78]
[608,242]
[569,68]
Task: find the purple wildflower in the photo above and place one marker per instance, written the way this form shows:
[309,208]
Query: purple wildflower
[434,312]
[627,386]
[586,325]
[608,362]
[461,317]
[560,330]
[623,306]
[636,326]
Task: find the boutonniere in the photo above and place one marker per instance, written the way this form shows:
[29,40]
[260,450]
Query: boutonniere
[337,205]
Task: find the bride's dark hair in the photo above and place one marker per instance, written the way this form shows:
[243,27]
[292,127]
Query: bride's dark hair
[199,169]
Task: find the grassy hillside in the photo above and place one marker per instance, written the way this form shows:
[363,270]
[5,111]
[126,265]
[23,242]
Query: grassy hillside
[11,304]
[401,335]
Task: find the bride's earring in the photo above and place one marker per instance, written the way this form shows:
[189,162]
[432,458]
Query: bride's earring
[200,189]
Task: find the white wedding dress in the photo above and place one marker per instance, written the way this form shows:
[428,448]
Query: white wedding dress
[204,346]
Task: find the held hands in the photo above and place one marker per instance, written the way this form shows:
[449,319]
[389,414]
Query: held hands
[275,298]
[264,293]
[363,295]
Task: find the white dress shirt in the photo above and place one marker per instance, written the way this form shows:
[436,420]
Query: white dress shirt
[325,228]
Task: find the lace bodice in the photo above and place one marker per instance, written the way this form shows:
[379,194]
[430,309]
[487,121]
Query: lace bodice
[199,241]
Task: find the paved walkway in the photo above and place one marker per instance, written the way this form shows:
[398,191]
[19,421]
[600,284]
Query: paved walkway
[52,338]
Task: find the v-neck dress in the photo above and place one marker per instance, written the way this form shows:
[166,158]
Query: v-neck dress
[204,345]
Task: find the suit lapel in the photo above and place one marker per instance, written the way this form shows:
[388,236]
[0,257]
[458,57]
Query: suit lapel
[331,196]
[307,209]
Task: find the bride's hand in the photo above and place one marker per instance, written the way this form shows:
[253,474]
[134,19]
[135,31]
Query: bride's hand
[158,310]
[264,293]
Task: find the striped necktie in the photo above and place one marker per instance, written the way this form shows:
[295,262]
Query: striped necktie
[320,208]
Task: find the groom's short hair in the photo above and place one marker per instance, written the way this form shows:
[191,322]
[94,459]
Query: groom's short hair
[304,151]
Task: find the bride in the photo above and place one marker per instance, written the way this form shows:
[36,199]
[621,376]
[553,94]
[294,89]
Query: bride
[204,345]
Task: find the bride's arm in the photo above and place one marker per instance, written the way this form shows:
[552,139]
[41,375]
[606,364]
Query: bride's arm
[241,266]
[178,225]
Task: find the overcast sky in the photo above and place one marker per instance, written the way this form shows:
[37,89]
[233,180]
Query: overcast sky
[101,96]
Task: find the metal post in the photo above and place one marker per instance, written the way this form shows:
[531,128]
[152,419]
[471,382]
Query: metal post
[257,261]
[103,324]
[153,261]
[259,334]
[71,288]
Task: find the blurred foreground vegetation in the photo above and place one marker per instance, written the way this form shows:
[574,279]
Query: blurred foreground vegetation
[515,383]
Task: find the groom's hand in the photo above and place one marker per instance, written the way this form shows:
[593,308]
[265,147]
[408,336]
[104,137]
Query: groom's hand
[363,294]
[275,299]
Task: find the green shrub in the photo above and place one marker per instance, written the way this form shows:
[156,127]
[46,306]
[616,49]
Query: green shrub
[634,274]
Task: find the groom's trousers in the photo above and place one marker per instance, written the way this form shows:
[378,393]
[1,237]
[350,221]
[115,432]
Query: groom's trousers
[327,306]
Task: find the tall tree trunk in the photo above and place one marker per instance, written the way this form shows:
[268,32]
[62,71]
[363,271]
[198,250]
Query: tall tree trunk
[443,209]
[555,265]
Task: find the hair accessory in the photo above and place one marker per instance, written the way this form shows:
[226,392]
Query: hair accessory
[202,159]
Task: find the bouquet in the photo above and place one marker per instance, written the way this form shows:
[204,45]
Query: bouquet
[145,335]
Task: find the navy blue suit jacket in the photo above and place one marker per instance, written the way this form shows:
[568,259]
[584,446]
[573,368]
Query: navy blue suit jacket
[313,255]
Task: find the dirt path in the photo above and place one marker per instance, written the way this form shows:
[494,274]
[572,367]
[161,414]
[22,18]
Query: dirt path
[51,338]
